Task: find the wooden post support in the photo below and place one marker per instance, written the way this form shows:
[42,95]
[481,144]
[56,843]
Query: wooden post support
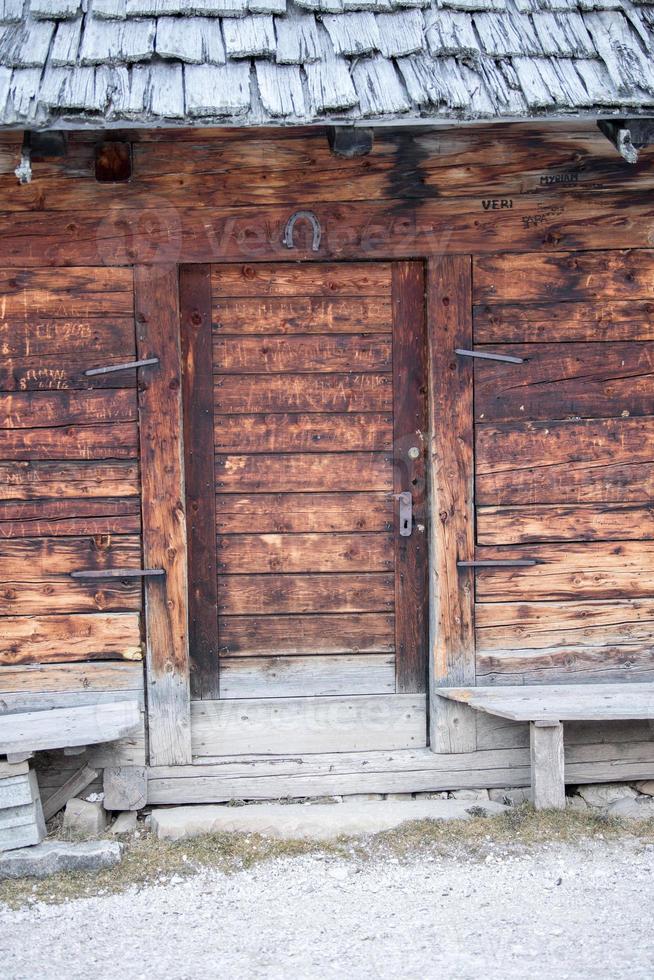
[164,523]
[547,770]
[125,787]
[453,726]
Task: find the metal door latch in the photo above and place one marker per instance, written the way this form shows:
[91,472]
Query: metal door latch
[406,512]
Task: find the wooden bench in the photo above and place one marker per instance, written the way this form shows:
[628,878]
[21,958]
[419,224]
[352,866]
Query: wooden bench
[546,708]
[24,732]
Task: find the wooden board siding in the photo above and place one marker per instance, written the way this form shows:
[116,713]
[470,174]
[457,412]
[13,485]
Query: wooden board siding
[313,431]
[69,482]
[212,196]
[560,274]
[563,466]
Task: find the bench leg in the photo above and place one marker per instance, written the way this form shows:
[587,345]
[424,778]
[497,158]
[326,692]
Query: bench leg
[547,774]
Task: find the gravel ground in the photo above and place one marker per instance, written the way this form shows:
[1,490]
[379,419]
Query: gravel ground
[560,910]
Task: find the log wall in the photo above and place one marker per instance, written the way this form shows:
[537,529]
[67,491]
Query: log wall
[555,232]
[69,478]
[564,466]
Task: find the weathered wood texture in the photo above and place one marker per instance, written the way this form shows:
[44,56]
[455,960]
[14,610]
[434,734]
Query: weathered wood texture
[197,404]
[270,726]
[563,466]
[164,524]
[547,766]
[401,771]
[452,659]
[69,484]
[318,396]
[410,429]
[212,196]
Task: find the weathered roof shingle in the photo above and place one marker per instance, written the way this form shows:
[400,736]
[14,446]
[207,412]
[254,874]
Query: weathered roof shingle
[252,62]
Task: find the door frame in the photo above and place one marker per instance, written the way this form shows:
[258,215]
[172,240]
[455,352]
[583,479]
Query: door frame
[410,420]
[449,494]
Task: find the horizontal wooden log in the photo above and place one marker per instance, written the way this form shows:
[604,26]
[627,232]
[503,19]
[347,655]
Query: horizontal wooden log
[515,626]
[302,314]
[75,294]
[290,553]
[565,380]
[265,167]
[564,522]
[574,665]
[273,726]
[380,229]
[399,771]
[55,639]
[77,518]
[589,570]
[70,678]
[539,277]
[47,559]
[269,168]
[248,636]
[265,513]
[64,595]
[311,354]
[99,336]
[520,160]
[63,727]
[31,410]
[315,432]
[553,642]
[62,372]
[264,594]
[303,393]
[288,279]
[308,677]
[45,480]
[103,441]
[587,461]
[304,472]
[614,320]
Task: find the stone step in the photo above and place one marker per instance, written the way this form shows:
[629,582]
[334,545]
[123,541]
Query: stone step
[299,821]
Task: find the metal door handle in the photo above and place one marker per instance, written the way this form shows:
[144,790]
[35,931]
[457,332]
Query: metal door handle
[406,512]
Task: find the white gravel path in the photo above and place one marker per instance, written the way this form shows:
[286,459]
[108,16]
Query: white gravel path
[560,911]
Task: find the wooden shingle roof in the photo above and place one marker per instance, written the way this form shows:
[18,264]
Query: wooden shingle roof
[258,62]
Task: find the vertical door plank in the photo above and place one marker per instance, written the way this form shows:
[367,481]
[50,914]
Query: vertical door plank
[164,524]
[452,660]
[198,400]
[409,426]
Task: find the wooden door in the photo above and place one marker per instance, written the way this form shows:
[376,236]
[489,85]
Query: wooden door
[305,414]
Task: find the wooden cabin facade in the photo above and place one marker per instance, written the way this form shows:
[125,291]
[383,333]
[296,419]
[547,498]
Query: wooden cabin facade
[269,530]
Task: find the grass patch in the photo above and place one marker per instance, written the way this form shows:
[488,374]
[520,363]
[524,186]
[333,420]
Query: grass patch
[151,861]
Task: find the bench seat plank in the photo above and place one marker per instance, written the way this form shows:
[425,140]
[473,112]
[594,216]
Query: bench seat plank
[562,702]
[32,731]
